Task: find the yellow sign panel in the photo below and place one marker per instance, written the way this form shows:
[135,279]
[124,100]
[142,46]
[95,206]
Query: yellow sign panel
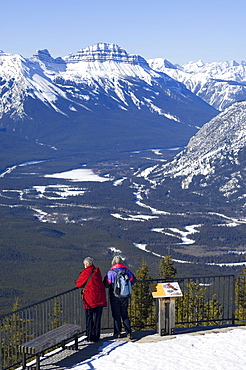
[162,290]
[157,290]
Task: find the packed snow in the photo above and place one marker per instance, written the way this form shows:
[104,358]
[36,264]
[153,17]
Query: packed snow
[183,235]
[79,175]
[141,218]
[221,350]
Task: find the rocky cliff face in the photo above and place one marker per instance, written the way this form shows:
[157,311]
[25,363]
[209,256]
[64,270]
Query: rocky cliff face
[102,52]
[214,157]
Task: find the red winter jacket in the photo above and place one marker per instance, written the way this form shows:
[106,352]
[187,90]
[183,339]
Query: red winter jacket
[94,293]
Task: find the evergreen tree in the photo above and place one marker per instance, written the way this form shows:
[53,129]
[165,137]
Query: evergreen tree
[240,312]
[56,315]
[166,268]
[213,311]
[13,333]
[142,311]
[192,308]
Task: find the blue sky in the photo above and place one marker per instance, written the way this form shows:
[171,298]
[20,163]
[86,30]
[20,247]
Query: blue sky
[177,30]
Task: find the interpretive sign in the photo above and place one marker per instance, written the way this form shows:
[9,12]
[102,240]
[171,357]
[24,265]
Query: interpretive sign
[166,294]
[166,290]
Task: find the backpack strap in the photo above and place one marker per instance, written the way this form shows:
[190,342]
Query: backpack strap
[117,270]
[89,278]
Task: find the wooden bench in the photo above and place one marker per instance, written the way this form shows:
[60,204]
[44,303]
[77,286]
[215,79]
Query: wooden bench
[39,345]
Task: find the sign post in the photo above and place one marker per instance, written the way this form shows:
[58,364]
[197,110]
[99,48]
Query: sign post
[166,294]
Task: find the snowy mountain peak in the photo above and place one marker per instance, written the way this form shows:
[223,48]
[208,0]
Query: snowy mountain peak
[194,66]
[42,54]
[45,57]
[159,63]
[220,84]
[102,52]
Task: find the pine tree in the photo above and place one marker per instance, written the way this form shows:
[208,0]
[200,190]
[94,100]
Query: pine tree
[166,268]
[56,315]
[142,311]
[213,311]
[192,308]
[240,312]
[13,333]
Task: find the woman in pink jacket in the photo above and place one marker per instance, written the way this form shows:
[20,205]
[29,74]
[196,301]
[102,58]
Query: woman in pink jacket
[94,298]
[119,306]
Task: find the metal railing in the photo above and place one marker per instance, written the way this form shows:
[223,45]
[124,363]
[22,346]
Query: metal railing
[210,300]
[240,295]
[26,323]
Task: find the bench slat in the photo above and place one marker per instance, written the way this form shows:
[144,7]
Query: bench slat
[50,339]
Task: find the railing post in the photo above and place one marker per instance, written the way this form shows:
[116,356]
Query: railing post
[1,361]
[233,298]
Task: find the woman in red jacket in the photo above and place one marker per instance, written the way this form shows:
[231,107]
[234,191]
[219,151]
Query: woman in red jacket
[94,298]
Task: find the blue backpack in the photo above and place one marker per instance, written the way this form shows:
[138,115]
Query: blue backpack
[122,285]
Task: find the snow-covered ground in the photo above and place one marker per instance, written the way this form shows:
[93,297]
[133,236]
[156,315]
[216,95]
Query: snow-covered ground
[81,174]
[213,351]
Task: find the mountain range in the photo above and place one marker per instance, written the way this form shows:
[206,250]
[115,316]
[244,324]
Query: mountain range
[100,97]
[220,84]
